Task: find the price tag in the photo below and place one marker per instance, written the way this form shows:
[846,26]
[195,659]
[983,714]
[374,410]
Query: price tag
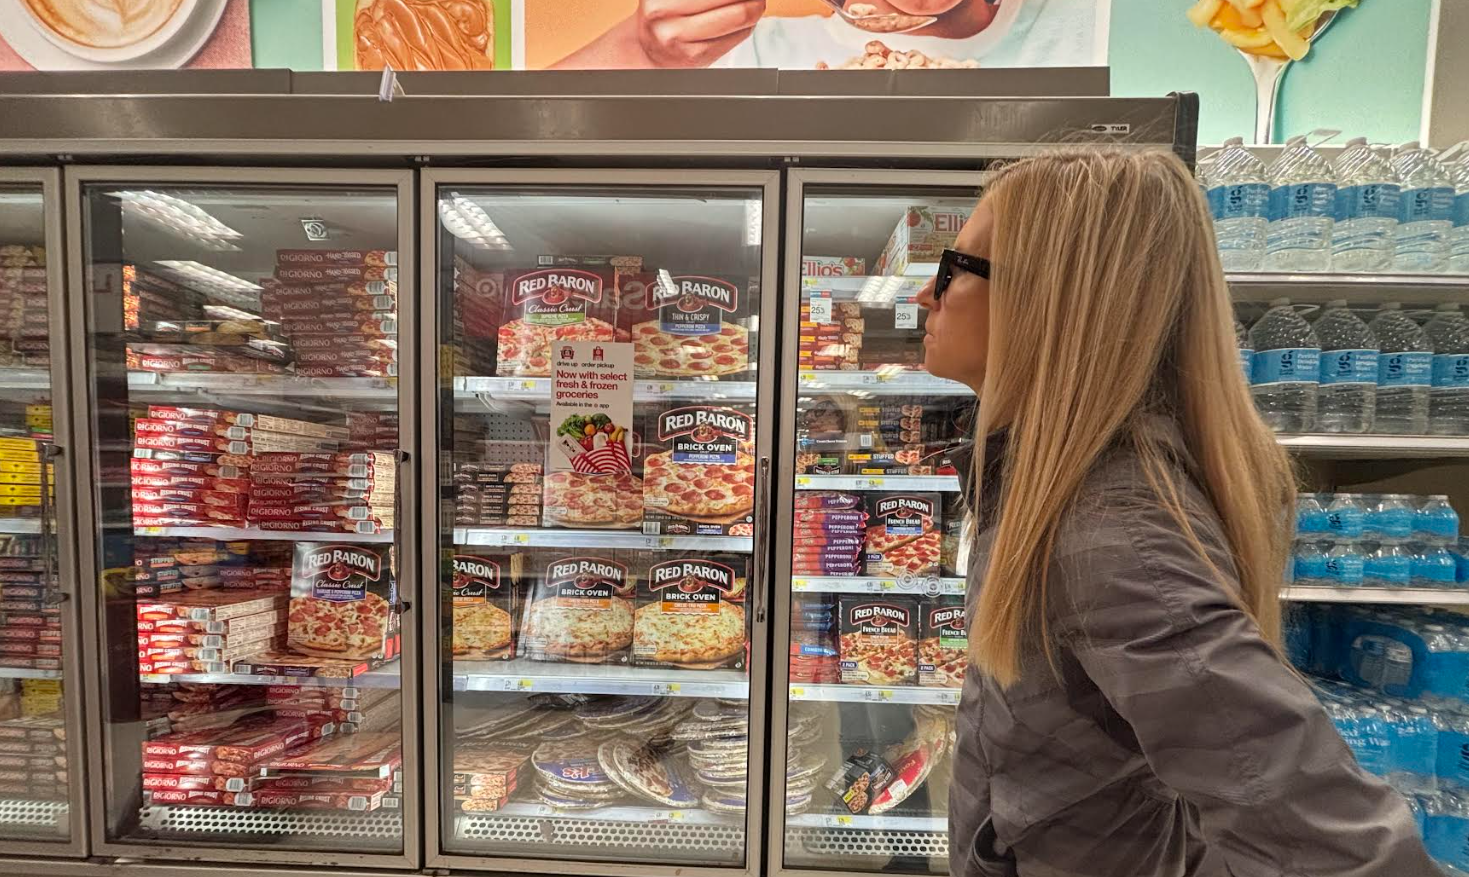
[798,693]
[949,697]
[878,695]
[837,822]
[869,483]
[667,816]
[520,684]
[905,313]
[868,379]
[148,531]
[821,307]
[525,386]
[519,539]
[799,584]
[803,481]
[885,585]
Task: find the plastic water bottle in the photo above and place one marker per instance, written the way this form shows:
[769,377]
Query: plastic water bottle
[1238,198]
[1425,210]
[1312,521]
[1345,558]
[1302,204]
[1459,237]
[1436,522]
[1347,397]
[1287,368]
[1404,372]
[1434,567]
[1448,400]
[1366,210]
[1310,564]
[1389,564]
[1391,518]
[1246,351]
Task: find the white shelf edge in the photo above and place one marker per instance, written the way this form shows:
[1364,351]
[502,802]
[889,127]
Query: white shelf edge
[554,538]
[528,677]
[906,381]
[1376,446]
[904,694]
[20,526]
[28,673]
[941,483]
[620,813]
[539,389]
[1287,278]
[1406,596]
[838,821]
[237,534]
[875,585]
[382,677]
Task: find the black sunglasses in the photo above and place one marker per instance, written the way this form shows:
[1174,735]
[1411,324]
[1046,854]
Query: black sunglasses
[953,260]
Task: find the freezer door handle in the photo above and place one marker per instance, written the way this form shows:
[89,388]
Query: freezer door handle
[762,531]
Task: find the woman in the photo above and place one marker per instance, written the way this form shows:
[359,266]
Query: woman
[1128,713]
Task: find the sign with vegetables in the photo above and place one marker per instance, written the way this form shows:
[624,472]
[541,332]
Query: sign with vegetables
[591,407]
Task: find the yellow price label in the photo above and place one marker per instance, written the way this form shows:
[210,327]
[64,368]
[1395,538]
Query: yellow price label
[803,481]
[665,541]
[526,385]
[521,539]
[841,821]
[798,692]
[799,584]
[666,387]
[674,687]
[887,585]
[148,531]
[884,694]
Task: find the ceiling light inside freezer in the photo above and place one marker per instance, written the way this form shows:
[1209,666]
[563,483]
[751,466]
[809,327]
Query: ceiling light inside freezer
[754,222]
[880,290]
[225,312]
[180,217]
[467,221]
[214,283]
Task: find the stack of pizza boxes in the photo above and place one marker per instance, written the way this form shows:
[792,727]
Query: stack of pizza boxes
[833,266]
[486,598]
[167,707]
[920,239]
[324,492]
[485,776]
[23,478]
[24,309]
[343,615]
[338,310]
[370,431]
[30,611]
[830,532]
[207,631]
[579,606]
[194,767]
[497,494]
[33,756]
[830,343]
[355,709]
[478,303]
[690,612]
[354,772]
[699,470]
[877,639]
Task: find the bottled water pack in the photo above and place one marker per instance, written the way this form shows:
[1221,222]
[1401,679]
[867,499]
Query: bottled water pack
[1347,398]
[1377,540]
[1448,400]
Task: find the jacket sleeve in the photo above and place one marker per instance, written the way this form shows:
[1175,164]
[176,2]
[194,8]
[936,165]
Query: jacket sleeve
[1217,715]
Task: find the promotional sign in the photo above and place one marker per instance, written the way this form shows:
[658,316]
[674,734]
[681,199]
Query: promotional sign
[591,407]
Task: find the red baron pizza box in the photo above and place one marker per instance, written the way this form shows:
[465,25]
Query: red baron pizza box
[833,266]
[311,800]
[691,613]
[904,534]
[699,472]
[336,257]
[343,602]
[543,305]
[580,609]
[363,755]
[690,325]
[210,606]
[484,589]
[943,642]
[877,640]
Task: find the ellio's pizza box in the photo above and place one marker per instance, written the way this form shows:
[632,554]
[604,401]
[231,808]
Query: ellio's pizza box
[877,640]
[484,589]
[904,534]
[343,602]
[920,237]
[685,325]
[699,471]
[580,609]
[691,613]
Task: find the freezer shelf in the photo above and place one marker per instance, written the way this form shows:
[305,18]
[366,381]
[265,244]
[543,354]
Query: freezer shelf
[234,534]
[533,676]
[20,526]
[1406,596]
[869,823]
[383,677]
[23,817]
[906,694]
[532,538]
[308,828]
[1376,447]
[28,673]
[820,844]
[916,586]
[25,380]
[538,390]
[941,483]
[275,387]
[899,382]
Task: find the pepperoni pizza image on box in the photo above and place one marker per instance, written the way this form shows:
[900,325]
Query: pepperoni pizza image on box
[580,611]
[691,613]
[943,643]
[903,534]
[877,644]
[547,305]
[342,599]
[689,327]
[484,607]
[698,472]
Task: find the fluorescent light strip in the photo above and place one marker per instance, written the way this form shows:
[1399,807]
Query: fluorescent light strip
[754,222]
[225,312]
[467,221]
[214,283]
[179,217]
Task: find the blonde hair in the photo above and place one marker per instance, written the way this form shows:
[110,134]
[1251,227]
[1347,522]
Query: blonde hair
[1108,305]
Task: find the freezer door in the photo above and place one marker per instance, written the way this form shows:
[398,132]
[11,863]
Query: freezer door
[243,333]
[40,696]
[603,453]
[869,561]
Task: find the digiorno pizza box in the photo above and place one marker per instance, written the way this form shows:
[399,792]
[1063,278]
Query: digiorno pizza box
[699,471]
[690,613]
[904,534]
[877,640]
[943,642]
[580,609]
[343,601]
[687,325]
[559,303]
[484,591]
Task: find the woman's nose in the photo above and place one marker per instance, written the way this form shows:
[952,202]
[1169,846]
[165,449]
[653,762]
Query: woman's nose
[925,296]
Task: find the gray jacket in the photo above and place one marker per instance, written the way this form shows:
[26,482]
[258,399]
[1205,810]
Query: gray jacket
[1174,743]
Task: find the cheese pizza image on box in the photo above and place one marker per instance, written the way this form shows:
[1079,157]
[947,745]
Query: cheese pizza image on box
[691,613]
[580,610]
[484,605]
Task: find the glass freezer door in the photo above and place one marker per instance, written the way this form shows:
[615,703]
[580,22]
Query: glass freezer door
[877,636]
[243,347]
[600,439]
[39,766]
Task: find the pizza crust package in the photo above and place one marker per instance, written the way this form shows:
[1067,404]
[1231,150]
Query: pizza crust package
[484,605]
[546,305]
[580,610]
[878,640]
[691,613]
[904,536]
[699,472]
[342,602]
[943,643]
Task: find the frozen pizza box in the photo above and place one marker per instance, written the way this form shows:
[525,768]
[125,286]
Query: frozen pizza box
[904,535]
[343,602]
[833,266]
[688,325]
[920,237]
[546,305]
[580,609]
[877,640]
[943,642]
[363,755]
[211,606]
[690,613]
[486,771]
[484,604]
[699,471]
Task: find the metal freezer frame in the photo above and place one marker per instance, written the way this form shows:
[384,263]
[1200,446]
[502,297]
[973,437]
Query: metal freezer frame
[89,519]
[769,184]
[48,182]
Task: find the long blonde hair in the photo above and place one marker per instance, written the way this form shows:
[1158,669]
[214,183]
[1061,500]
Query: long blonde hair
[1108,306]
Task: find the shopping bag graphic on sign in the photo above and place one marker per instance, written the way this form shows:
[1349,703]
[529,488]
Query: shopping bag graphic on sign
[591,407]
